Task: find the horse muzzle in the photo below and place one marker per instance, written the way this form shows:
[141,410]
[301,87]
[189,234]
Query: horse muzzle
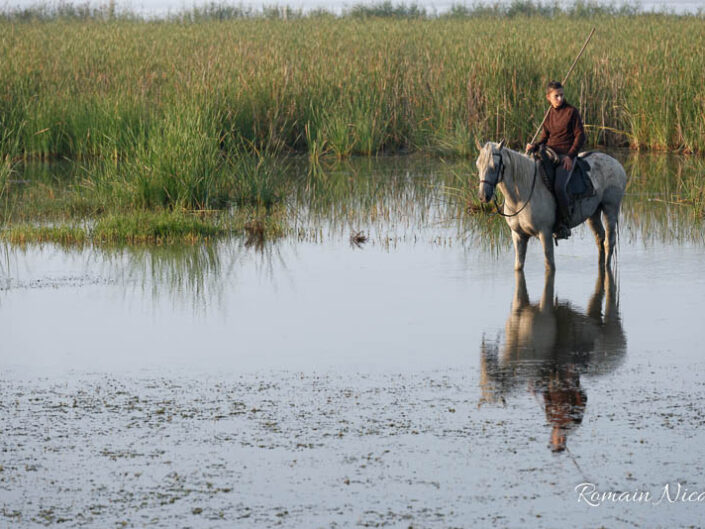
[486,192]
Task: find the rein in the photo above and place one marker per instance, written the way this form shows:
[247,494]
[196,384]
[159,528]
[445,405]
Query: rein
[500,177]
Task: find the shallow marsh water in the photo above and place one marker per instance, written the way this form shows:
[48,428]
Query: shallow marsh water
[408,382]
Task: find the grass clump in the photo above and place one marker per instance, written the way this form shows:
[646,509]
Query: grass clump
[260,182]
[155,228]
[64,235]
[179,166]
[136,228]
[152,228]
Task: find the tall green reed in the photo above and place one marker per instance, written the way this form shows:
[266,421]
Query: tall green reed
[81,88]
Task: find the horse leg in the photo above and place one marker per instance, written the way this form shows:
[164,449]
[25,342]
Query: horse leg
[610,216]
[547,298]
[520,241]
[596,226]
[546,238]
[521,294]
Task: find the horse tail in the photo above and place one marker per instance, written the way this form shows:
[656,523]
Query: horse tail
[615,252]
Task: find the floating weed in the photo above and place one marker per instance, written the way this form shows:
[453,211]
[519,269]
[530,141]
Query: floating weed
[475,207]
[358,239]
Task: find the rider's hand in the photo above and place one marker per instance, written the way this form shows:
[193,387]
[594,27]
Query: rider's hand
[529,148]
[567,163]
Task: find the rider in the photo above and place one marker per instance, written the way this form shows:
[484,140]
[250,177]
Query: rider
[563,132]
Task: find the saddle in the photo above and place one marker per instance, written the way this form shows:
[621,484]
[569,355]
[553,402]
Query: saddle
[579,184]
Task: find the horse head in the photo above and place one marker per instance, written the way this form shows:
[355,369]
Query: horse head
[490,167]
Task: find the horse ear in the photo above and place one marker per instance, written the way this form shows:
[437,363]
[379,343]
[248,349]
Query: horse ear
[477,144]
[501,143]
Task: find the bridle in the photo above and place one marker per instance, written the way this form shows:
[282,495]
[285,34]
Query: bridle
[500,176]
[500,171]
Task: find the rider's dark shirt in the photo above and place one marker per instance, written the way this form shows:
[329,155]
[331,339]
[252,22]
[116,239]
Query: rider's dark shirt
[563,130]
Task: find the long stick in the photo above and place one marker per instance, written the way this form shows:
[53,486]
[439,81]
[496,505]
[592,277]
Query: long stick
[564,80]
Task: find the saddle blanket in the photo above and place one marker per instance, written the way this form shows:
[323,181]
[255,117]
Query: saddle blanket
[579,186]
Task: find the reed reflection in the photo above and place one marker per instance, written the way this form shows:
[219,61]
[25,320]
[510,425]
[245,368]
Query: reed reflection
[195,277]
[549,346]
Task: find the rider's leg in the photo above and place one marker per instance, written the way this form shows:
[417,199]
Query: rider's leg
[560,188]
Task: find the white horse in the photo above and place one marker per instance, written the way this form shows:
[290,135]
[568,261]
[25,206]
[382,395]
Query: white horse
[530,208]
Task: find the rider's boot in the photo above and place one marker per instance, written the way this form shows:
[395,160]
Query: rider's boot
[561,230]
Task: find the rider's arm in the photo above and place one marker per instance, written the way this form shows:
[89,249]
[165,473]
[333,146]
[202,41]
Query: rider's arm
[578,134]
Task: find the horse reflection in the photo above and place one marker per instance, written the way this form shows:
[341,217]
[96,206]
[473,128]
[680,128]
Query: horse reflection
[548,346]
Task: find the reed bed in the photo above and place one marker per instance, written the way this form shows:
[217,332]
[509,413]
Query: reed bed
[200,112]
[133,89]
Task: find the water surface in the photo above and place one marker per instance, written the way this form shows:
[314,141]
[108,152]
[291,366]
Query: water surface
[414,380]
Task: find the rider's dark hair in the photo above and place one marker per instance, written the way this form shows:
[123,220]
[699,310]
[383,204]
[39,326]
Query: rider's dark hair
[553,85]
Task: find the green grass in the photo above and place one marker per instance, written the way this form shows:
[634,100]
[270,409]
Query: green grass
[66,235]
[190,123]
[155,229]
[188,181]
[376,80]
[151,228]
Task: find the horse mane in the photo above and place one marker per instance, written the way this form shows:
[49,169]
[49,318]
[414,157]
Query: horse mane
[521,165]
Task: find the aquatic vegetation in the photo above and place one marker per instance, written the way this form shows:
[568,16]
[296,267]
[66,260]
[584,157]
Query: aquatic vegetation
[358,239]
[5,173]
[387,198]
[202,111]
[691,187]
[380,78]
[154,228]
[149,227]
[145,199]
[665,196]
[67,235]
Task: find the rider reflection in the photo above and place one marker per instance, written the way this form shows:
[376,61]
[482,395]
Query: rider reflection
[564,403]
[548,346]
